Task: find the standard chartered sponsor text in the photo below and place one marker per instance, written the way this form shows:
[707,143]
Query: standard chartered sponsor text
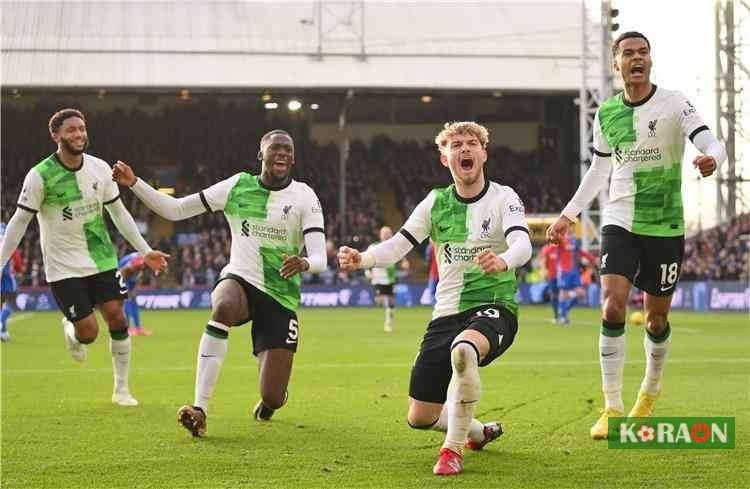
[268,232]
[640,154]
[464,253]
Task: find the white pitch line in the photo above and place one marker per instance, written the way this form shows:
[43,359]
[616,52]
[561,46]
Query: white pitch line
[499,363]
[15,318]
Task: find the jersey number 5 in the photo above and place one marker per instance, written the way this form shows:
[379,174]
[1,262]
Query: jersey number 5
[293,331]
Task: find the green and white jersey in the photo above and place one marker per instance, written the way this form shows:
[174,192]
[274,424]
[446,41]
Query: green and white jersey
[265,224]
[461,229]
[382,275]
[647,142]
[69,204]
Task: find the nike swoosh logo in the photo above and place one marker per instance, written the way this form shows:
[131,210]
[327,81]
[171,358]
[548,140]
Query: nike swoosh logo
[605,355]
[207,356]
[290,342]
[467,402]
[664,289]
[443,229]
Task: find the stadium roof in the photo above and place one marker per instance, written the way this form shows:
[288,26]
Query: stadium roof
[506,45]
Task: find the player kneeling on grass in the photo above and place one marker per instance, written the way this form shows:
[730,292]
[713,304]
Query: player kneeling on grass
[271,217]
[481,235]
[67,192]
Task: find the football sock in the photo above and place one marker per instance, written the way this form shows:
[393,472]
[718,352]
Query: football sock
[4,315]
[70,331]
[656,357]
[476,428]
[555,303]
[388,314]
[612,361]
[135,313]
[211,354]
[127,306]
[463,394]
[569,303]
[119,346]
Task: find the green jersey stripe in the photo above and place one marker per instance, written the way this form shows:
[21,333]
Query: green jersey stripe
[99,244]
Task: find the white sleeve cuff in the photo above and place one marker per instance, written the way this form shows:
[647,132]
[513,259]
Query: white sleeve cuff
[519,249]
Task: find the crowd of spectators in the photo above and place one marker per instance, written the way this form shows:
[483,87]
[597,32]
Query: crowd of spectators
[719,253]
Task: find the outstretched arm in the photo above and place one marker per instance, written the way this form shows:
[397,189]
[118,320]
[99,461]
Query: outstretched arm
[166,206]
[154,259]
[13,234]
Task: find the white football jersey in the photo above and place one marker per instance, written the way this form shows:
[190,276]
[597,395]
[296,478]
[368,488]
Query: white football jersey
[646,142]
[265,225]
[69,206]
[461,229]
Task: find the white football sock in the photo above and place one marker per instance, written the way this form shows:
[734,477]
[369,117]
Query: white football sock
[476,428]
[612,361]
[464,391]
[388,314]
[656,358]
[120,363]
[70,330]
[211,354]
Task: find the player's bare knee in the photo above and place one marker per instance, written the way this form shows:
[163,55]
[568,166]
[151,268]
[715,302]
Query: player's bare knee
[420,421]
[225,311]
[86,335]
[613,309]
[117,322]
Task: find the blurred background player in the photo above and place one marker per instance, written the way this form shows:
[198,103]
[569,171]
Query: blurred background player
[550,255]
[8,288]
[131,265]
[569,274]
[383,280]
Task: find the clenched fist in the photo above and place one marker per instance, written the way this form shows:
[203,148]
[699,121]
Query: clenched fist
[705,164]
[349,259]
[489,262]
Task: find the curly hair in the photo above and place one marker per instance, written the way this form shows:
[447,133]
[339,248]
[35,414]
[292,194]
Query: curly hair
[451,129]
[57,119]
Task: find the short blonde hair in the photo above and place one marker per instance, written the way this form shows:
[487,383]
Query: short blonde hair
[451,129]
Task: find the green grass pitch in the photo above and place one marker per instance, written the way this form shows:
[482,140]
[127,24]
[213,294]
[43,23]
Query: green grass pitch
[345,426]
